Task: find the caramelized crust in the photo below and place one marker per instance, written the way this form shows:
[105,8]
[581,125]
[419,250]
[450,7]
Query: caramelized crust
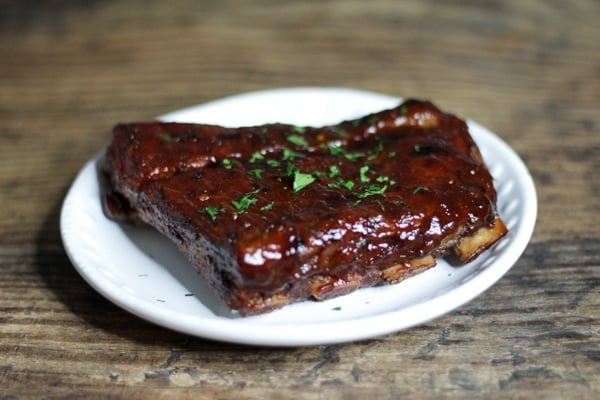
[275,214]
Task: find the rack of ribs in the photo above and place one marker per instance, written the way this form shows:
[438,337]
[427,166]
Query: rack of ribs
[274,214]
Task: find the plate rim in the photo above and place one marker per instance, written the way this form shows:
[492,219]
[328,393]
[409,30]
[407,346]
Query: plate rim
[338,331]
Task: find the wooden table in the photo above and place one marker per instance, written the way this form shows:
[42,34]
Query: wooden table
[529,71]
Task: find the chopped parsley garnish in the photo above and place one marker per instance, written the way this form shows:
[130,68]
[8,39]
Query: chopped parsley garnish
[167,138]
[341,183]
[338,308]
[417,148]
[376,151]
[273,163]
[340,151]
[228,162]
[290,169]
[420,189]
[372,190]
[289,154]
[297,140]
[255,157]
[334,171]
[302,180]
[300,129]
[367,183]
[257,173]
[363,174]
[212,212]
[403,110]
[267,206]
[241,205]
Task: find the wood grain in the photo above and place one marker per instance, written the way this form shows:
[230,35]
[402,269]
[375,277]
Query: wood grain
[529,71]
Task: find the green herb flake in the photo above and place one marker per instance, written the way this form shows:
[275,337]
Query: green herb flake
[289,154]
[267,206]
[417,148]
[167,138]
[420,189]
[241,206]
[300,129]
[290,169]
[188,294]
[372,190]
[403,110]
[334,171]
[297,140]
[340,183]
[256,173]
[302,180]
[391,154]
[376,151]
[339,151]
[212,212]
[338,308]
[273,163]
[363,174]
[255,157]
[354,156]
[228,162]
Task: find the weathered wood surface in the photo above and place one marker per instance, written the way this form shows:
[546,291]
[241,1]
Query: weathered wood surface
[530,71]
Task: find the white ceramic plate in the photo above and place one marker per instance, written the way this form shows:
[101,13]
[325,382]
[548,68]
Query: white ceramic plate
[142,272]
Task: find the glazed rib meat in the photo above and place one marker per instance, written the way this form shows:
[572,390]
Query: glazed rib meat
[275,214]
